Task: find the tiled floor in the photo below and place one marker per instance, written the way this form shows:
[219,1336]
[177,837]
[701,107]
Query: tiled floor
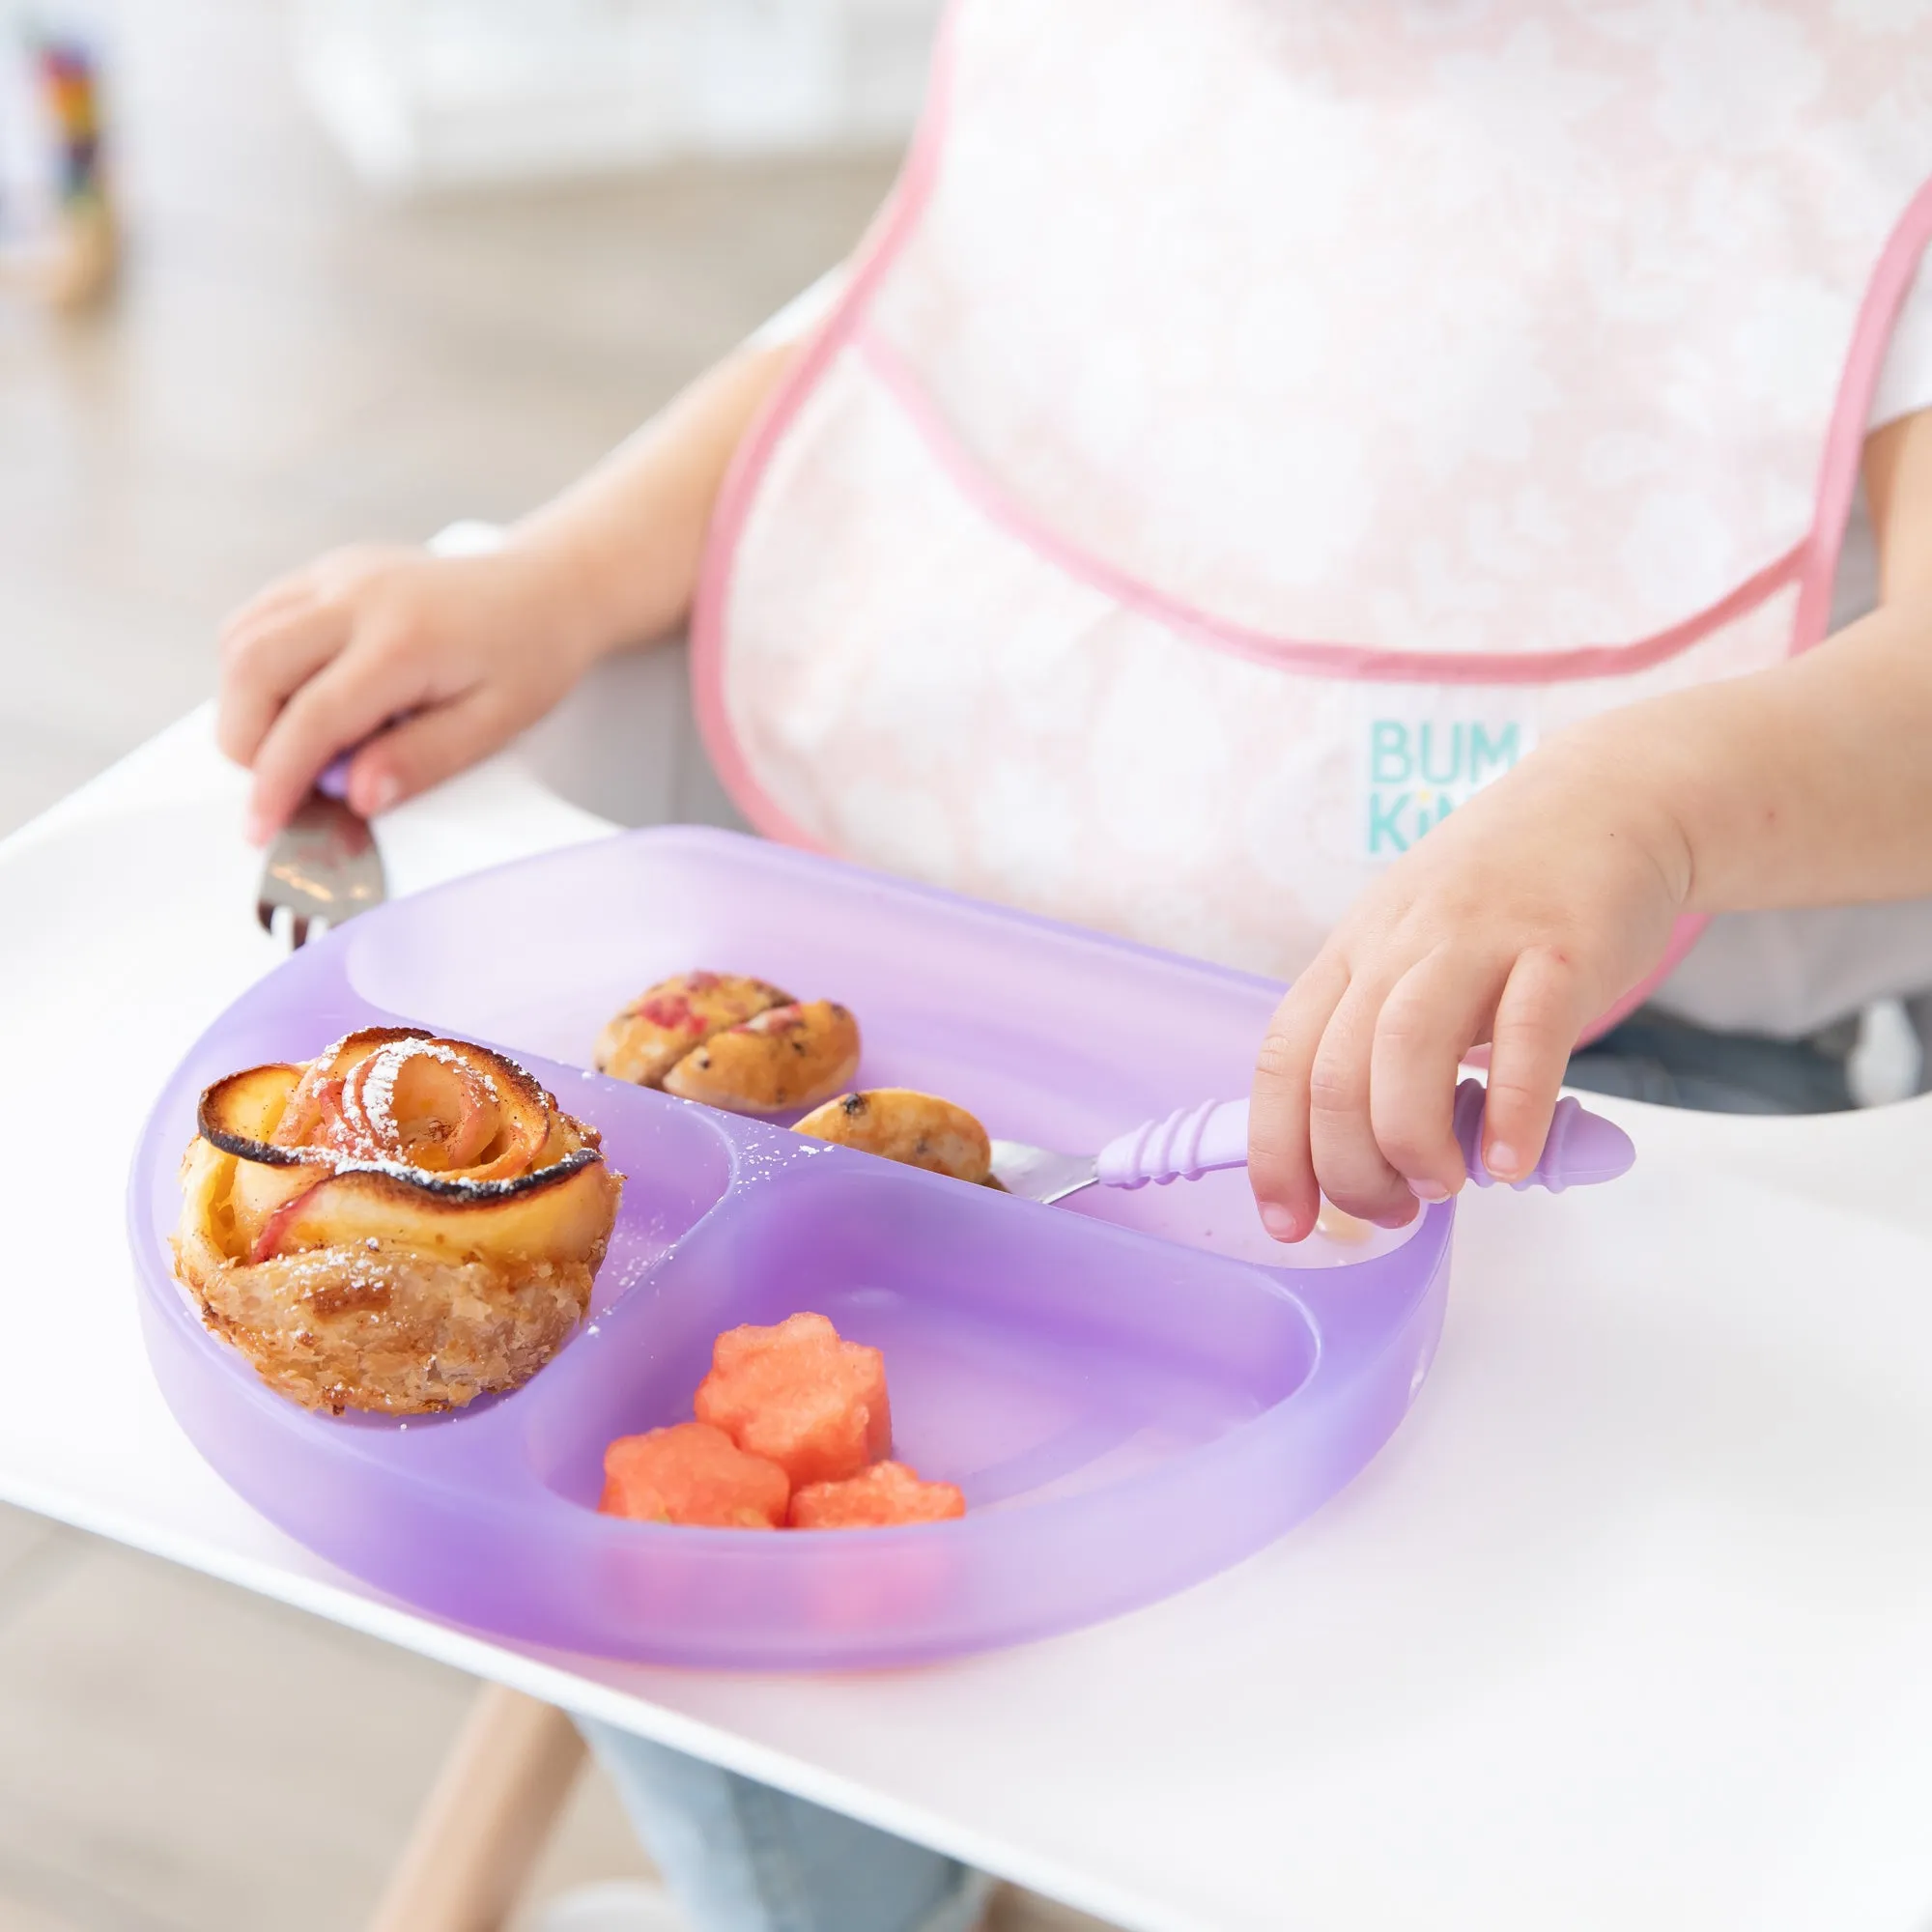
[290,365]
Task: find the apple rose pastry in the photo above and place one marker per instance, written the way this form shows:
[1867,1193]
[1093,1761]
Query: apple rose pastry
[901,1124]
[732,1042]
[403,1224]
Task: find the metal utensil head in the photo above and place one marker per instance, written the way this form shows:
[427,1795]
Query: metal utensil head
[323,868]
[1037,1174]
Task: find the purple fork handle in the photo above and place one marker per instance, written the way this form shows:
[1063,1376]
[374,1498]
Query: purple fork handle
[333,780]
[1583,1148]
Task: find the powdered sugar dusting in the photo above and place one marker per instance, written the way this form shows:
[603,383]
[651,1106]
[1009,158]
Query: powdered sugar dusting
[367,1139]
[375,1095]
[369,1102]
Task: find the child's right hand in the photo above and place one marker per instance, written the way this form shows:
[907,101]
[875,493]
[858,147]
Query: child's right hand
[460,652]
[1528,912]
[429,663]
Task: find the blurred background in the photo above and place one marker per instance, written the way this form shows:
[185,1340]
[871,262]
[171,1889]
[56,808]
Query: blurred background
[373,274]
[338,269]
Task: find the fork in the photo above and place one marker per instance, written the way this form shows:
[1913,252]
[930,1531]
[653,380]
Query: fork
[324,867]
[1582,1148]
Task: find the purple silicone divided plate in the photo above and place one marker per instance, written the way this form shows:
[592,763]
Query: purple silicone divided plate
[1133,1390]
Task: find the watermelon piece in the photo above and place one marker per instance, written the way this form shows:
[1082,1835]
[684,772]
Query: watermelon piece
[888,1493]
[696,1475]
[800,1397]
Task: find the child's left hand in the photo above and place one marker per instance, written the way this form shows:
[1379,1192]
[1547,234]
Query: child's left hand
[1517,920]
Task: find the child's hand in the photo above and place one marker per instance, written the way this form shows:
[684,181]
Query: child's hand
[1517,920]
[465,652]
[437,661]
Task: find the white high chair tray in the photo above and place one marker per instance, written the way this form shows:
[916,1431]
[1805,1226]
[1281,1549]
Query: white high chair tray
[1628,1626]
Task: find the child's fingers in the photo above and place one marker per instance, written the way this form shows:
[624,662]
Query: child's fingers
[266,604]
[342,704]
[1280,1170]
[425,750]
[1543,1007]
[1351,1168]
[1433,1015]
[261,668]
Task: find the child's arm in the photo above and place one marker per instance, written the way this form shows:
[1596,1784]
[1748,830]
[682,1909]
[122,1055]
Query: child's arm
[476,648]
[1552,892]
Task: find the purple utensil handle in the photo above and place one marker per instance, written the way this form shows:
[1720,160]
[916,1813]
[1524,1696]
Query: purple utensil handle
[333,780]
[1583,1148]
[1183,1147]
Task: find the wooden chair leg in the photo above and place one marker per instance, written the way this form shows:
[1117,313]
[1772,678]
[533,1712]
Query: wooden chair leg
[486,1820]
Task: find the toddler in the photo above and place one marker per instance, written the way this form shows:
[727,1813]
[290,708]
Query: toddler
[1355,492]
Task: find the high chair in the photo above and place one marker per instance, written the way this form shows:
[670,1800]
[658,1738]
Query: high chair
[486,1818]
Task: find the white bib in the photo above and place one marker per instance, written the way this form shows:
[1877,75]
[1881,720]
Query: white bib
[1254,425]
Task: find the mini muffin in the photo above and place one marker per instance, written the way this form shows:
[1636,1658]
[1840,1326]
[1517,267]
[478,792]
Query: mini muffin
[899,1123]
[786,1057]
[401,1225]
[731,1041]
[644,1041]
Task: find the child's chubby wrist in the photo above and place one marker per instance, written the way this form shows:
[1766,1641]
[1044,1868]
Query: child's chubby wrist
[1649,784]
[562,577]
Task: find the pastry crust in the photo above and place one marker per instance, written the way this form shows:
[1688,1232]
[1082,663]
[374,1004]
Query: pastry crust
[901,1124]
[664,1022]
[353,1277]
[786,1056]
[386,1329]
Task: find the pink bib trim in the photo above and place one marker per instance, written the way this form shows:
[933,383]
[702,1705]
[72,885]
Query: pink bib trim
[1353,662]
[1810,565]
